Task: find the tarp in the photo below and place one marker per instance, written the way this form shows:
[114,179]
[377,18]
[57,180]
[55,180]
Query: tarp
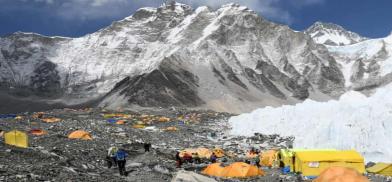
[340,174]
[80,134]
[214,169]
[188,176]
[381,168]
[312,163]
[16,138]
[241,170]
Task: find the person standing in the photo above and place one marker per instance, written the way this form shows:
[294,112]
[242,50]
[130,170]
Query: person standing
[111,156]
[178,160]
[121,156]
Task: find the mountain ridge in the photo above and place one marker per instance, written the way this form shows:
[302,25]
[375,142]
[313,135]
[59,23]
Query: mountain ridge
[229,59]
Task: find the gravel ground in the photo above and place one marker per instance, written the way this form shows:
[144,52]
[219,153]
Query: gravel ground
[54,157]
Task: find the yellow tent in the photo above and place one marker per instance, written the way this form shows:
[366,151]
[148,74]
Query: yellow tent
[202,152]
[384,169]
[80,134]
[241,170]
[286,156]
[214,169]
[16,138]
[138,126]
[312,163]
[340,174]
[218,152]
[269,158]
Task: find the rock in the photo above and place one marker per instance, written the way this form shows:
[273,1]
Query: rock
[187,176]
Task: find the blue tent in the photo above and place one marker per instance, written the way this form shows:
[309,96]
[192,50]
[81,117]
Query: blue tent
[5,116]
[112,120]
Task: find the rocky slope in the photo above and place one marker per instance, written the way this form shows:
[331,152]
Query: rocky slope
[332,34]
[229,59]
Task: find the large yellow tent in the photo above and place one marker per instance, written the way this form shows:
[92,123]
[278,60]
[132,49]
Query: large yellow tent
[202,152]
[340,174]
[286,157]
[312,163]
[381,168]
[80,134]
[16,138]
[214,169]
[241,170]
[269,158]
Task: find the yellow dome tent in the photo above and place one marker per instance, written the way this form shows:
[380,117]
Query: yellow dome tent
[340,174]
[16,138]
[214,169]
[241,170]
[80,134]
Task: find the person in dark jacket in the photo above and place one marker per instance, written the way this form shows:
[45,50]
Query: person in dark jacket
[147,147]
[121,156]
[213,158]
[178,160]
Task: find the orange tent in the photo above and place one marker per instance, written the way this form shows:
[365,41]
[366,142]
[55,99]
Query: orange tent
[38,115]
[241,170]
[38,132]
[268,158]
[51,120]
[164,119]
[172,128]
[340,174]
[80,134]
[218,152]
[120,122]
[250,155]
[214,169]
[202,152]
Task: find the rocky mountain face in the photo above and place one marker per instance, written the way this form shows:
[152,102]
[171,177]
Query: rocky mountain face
[229,59]
[332,34]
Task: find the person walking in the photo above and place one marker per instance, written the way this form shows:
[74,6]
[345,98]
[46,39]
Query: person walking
[121,156]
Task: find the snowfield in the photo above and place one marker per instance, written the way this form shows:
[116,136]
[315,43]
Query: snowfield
[353,122]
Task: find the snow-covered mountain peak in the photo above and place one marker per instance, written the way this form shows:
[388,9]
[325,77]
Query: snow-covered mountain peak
[332,34]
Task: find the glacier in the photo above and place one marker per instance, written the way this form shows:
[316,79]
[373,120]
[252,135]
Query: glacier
[352,122]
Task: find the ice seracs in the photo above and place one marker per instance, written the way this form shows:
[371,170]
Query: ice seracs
[352,122]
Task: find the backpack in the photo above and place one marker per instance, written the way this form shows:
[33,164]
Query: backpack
[121,155]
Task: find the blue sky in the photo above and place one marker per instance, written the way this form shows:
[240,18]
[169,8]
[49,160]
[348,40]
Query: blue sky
[73,18]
